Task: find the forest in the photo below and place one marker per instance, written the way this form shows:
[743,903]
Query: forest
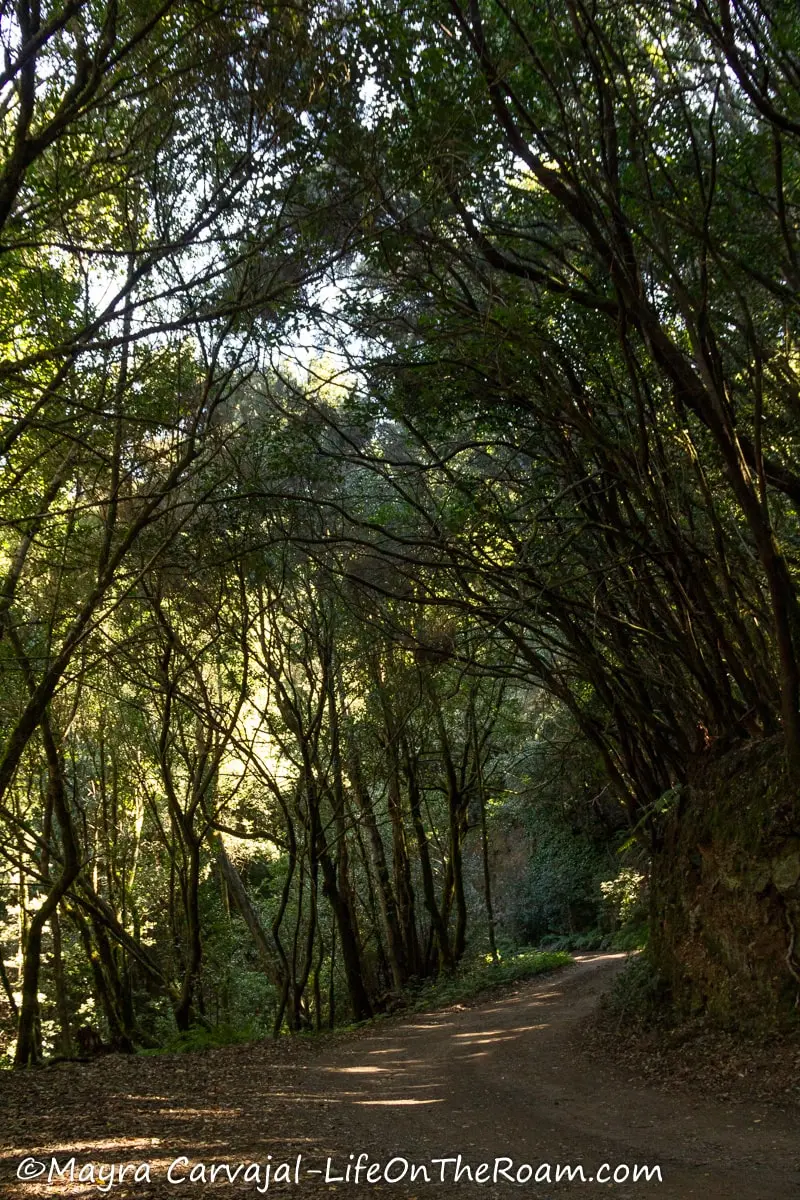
[400,435]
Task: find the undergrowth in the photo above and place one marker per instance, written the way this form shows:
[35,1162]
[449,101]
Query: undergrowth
[474,978]
[469,981]
[638,997]
[198,1038]
[630,937]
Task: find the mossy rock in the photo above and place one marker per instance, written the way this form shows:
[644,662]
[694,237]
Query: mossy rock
[729,862]
[785,869]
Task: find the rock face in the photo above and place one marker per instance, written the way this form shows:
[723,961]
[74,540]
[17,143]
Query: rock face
[725,891]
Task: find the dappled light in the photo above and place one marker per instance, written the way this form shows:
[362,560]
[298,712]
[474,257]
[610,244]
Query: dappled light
[358,1070]
[522,1093]
[487,1033]
[400,594]
[397,1102]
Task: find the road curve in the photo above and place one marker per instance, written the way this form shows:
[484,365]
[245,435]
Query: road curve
[502,1081]
[498,1081]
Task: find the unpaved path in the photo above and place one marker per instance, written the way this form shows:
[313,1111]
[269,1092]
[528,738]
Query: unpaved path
[498,1081]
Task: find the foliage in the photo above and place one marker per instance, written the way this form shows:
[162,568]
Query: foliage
[637,996]
[480,976]
[625,894]
[198,1039]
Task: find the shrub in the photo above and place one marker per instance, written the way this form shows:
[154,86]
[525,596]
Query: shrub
[639,996]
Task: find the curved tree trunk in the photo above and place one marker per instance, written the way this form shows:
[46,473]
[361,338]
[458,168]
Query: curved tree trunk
[26,1052]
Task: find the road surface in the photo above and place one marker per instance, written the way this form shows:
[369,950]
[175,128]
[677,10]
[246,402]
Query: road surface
[498,1084]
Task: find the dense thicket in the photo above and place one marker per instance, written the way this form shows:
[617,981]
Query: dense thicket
[281,642]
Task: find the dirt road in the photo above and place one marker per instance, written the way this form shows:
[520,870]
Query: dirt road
[496,1082]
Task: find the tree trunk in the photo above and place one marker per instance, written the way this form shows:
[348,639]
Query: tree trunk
[26,1051]
[64,1041]
[243,905]
[351,955]
[386,897]
[429,891]
[194,950]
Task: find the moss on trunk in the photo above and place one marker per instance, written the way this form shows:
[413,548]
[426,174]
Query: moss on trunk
[725,891]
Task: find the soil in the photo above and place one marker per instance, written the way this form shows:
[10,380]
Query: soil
[506,1078]
[699,1059]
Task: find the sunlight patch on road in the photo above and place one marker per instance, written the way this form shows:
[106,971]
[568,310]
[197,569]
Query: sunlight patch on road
[434,1025]
[489,1041]
[358,1070]
[405,1102]
[392,1064]
[84,1146]
[172,1111]
[480,1033]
